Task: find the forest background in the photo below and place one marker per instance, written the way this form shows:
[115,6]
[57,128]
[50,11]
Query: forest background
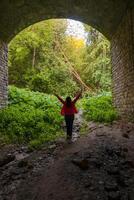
[45,59]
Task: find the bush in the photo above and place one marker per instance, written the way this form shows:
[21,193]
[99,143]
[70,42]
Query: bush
[34,118]
[99,108]
[30,116]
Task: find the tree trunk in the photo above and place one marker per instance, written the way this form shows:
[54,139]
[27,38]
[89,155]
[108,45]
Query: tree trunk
[34,56]
[72,69]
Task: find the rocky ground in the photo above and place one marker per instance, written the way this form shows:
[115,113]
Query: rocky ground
[98,166]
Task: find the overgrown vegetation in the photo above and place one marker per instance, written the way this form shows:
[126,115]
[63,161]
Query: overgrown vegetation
[34,118]
[99,108]
[31,117]
[44,59]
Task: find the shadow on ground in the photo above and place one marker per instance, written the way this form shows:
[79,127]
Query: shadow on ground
[98,166]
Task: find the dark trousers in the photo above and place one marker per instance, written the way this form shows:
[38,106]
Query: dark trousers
[69,124]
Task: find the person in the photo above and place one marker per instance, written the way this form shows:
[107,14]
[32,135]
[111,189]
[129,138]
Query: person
[68,111]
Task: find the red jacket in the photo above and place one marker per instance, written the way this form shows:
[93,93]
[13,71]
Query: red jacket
[69,110]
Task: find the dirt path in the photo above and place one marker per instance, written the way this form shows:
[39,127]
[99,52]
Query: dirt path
[99,166]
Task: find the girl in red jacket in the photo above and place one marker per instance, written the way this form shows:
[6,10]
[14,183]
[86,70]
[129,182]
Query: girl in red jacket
[68,110]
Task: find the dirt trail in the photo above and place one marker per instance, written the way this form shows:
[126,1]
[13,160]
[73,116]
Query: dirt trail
[98,166]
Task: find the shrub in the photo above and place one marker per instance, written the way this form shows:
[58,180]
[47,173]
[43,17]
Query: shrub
[34,118]
[99,108]
[30,116]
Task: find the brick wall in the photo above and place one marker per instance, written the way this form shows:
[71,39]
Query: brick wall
[122,48]
[3,74]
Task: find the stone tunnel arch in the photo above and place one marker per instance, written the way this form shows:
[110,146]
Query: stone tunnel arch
[114,19]
[103,15]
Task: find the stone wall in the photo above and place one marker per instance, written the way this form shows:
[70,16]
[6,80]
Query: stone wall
[3,74]
[122,48]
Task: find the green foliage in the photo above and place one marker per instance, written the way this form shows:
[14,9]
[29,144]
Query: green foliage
[34,118]
[36,63]
[30,116]
[37,59]
[99,109]
[54,80]
[44,58]
[96,68]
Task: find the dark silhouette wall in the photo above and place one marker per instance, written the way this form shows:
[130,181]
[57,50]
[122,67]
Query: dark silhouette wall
[3,74]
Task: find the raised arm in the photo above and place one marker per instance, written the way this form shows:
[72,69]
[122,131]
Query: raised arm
[77,96]
[60,99]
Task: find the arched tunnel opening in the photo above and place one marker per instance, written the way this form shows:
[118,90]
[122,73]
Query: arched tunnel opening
[57,56]
[36,161]
[62,56]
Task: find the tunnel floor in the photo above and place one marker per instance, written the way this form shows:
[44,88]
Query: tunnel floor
[98,166]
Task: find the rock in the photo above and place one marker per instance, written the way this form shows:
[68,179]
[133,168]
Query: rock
[96,162]
[125,149]
[101,183]
[109,150]
[128,163]
[115,122]
[30,166]
[21,156]
[23,163]
[15,172]
[115,151]
[92,188]
[77,129]
[114,195]
[92,126]
[100,126]
[87,155]
[53,146]
[88,185]
[40,158]
[121,180]
[118,151]
[100,134]
[7,159]
[125,135]
[25,149]
[111,186]
[82,164]
[112,170]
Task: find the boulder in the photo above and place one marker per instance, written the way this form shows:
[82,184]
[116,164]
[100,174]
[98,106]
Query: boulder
[82,164]
[6,159]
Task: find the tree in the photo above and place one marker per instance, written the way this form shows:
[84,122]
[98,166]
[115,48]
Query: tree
[43,57]
[35,61]
[96,70]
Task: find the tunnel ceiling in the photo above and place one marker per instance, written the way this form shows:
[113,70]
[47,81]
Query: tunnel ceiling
[104,15]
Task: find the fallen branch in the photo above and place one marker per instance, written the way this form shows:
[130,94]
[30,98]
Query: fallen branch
[72,69]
